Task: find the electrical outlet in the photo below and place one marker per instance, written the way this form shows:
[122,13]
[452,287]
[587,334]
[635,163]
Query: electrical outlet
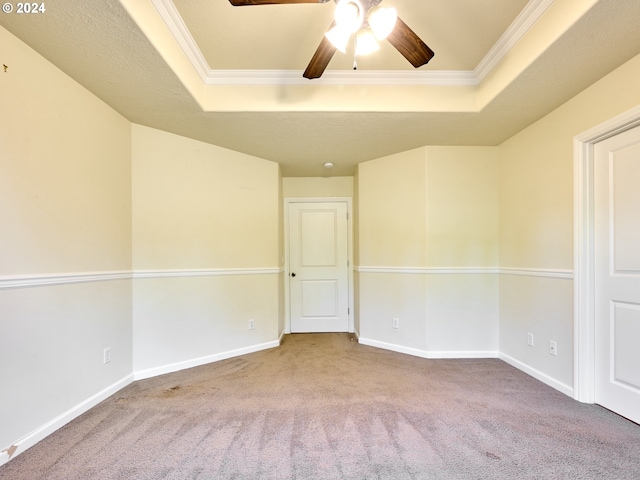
[252,324]
[395,323]
[106,355]
[553,348]
[530,339]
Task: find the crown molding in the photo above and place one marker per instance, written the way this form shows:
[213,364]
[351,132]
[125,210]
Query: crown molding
[520,26]
[182,35]
[523,22]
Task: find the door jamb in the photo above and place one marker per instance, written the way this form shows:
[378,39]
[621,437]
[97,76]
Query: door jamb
[584,249]
[288,201]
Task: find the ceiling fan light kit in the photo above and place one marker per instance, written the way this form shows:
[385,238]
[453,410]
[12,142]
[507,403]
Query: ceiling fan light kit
[366,42]
[370,24]
[382,20]
[349,15]
[339,37]
[350,18]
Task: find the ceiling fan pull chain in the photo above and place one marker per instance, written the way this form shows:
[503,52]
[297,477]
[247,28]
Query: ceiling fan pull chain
[355,57]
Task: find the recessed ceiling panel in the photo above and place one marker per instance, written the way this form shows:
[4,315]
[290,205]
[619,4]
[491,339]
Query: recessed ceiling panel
[284,37]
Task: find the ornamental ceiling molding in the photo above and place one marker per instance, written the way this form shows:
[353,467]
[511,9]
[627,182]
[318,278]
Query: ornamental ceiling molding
[523,22]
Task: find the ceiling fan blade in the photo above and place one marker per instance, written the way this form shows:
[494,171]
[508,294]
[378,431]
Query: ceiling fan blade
[320,59]
[241,3]
[410,45]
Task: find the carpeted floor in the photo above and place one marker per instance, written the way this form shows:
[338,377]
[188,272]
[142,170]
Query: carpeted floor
[324,407]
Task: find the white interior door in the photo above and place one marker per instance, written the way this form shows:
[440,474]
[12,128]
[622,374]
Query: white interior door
[318,267]
[617,273]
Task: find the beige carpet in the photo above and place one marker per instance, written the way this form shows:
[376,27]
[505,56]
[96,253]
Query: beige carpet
[324,407]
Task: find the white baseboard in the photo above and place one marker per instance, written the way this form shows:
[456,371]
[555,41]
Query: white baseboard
[426,353]
[48,428]
[537,374]
[61,420]
[393,347]
[196,362]
[455,354]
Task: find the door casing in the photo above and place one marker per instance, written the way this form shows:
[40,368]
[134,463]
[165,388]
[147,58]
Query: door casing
[584,250]
[287,299]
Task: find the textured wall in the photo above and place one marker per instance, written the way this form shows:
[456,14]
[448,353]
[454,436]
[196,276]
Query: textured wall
[65,209]
[205,230]
[318,186]
[536,224]
[428,250]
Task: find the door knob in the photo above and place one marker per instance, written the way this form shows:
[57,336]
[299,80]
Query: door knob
[293,274]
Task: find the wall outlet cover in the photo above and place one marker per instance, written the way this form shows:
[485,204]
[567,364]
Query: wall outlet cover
[106,355]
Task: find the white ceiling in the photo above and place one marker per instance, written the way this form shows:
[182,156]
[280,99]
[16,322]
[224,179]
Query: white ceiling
[232,76]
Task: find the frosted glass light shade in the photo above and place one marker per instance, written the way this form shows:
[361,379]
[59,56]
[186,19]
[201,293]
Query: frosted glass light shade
[349,15]
[366,42]
[382,20]
[339,37]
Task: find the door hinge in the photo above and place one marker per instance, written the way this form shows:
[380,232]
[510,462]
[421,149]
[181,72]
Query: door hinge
[348,311]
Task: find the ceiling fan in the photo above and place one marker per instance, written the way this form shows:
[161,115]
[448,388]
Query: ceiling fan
[357,18]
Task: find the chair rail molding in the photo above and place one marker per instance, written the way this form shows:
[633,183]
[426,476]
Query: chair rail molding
[40,280]
[209,272]
[528,272]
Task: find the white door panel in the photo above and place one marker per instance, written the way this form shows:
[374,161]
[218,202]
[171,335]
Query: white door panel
[617,273]
[318,267]
[318,238]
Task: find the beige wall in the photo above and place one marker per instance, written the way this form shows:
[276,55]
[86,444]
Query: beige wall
[65,207]
[201,207]
[462,233]
[281,253]
[536,173]
[427,232]
[356,250]
[65,184]
[392,233]
[392,203]
[301,187]
[536,224]
[462,199]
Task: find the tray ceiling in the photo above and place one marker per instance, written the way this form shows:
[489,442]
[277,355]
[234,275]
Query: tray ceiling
[232,76]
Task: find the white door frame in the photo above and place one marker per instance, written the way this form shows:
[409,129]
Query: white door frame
[584,250]
[288,201]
